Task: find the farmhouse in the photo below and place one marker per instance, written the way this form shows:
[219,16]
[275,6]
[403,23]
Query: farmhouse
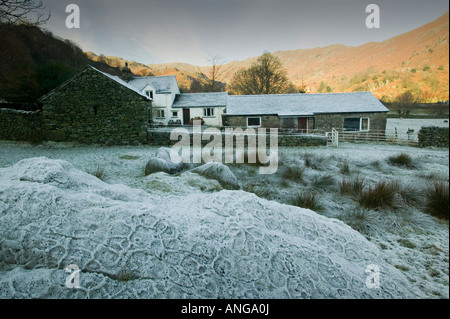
[94,106]
[172,108]
[360,112]
[208,106]
[162,90]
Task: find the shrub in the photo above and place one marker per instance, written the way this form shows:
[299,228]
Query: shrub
[307,200]
[401,160]
[437,200]
[383,195]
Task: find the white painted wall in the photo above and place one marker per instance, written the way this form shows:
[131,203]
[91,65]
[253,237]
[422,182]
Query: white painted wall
[215,120]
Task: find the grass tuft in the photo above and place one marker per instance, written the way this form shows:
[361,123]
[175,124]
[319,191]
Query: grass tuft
[437,200]
[353,187]
[401,160]
[294,173]
[307,200]
[99,172]
[383,195]
[324,182]
[314,162]
[344,168]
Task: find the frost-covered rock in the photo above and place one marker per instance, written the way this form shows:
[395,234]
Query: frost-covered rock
[219,172]
[173,159]
[155,165]
[132,244]
[165,162]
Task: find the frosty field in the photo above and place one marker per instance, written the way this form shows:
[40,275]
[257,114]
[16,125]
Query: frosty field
[183,236]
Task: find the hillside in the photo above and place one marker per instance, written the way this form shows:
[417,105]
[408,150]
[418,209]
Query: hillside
[416,61]
[33,62]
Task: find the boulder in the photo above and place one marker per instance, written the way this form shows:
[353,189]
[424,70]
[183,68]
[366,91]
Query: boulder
[219,172]
[155,165]
[130,244]
[173,159]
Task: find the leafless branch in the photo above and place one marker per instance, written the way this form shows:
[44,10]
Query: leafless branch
[21,11]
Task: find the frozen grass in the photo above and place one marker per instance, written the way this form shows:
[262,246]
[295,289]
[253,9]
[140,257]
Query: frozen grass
[307,200]
[437,200]
[294,173]
[99,172]
[380,196]
[361,220]
[344,167]
[402,160]
[314,162]
[325,182]
[352,187]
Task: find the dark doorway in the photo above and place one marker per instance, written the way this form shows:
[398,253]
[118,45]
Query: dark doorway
[186,116]
[303,125]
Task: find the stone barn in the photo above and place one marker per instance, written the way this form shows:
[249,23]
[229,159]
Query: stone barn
[96,107]
[355,112]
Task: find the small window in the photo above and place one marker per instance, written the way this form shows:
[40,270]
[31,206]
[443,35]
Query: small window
[149,94]
[208,112]
[253,122]
[175,114]
[160,113]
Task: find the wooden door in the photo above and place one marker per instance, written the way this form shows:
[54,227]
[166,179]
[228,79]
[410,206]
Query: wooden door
[303,124]
[186,116]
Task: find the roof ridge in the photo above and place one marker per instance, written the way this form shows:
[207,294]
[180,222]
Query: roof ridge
[303,94]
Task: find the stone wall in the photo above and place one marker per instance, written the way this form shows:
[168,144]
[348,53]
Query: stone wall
[434,136]
[92,108]
[158,138]
[328,121]
[267,121]
[20,125]
[324,122]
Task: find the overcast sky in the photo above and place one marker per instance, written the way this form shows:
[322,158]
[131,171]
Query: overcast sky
[159,31]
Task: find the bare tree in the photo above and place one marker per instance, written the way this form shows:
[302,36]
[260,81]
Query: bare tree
[21,11]
[217,73]
[266,76]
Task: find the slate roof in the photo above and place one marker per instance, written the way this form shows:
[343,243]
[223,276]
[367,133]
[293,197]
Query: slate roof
[304,104]
[162,84]
[192,100]
[112,77]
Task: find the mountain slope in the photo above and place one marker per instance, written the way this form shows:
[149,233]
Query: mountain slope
[416,61]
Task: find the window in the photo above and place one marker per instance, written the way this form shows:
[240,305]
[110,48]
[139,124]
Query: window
[175,114]
[149,94]
[253,122]
[365,124]
[208,112]
[160,113]
[357,124]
